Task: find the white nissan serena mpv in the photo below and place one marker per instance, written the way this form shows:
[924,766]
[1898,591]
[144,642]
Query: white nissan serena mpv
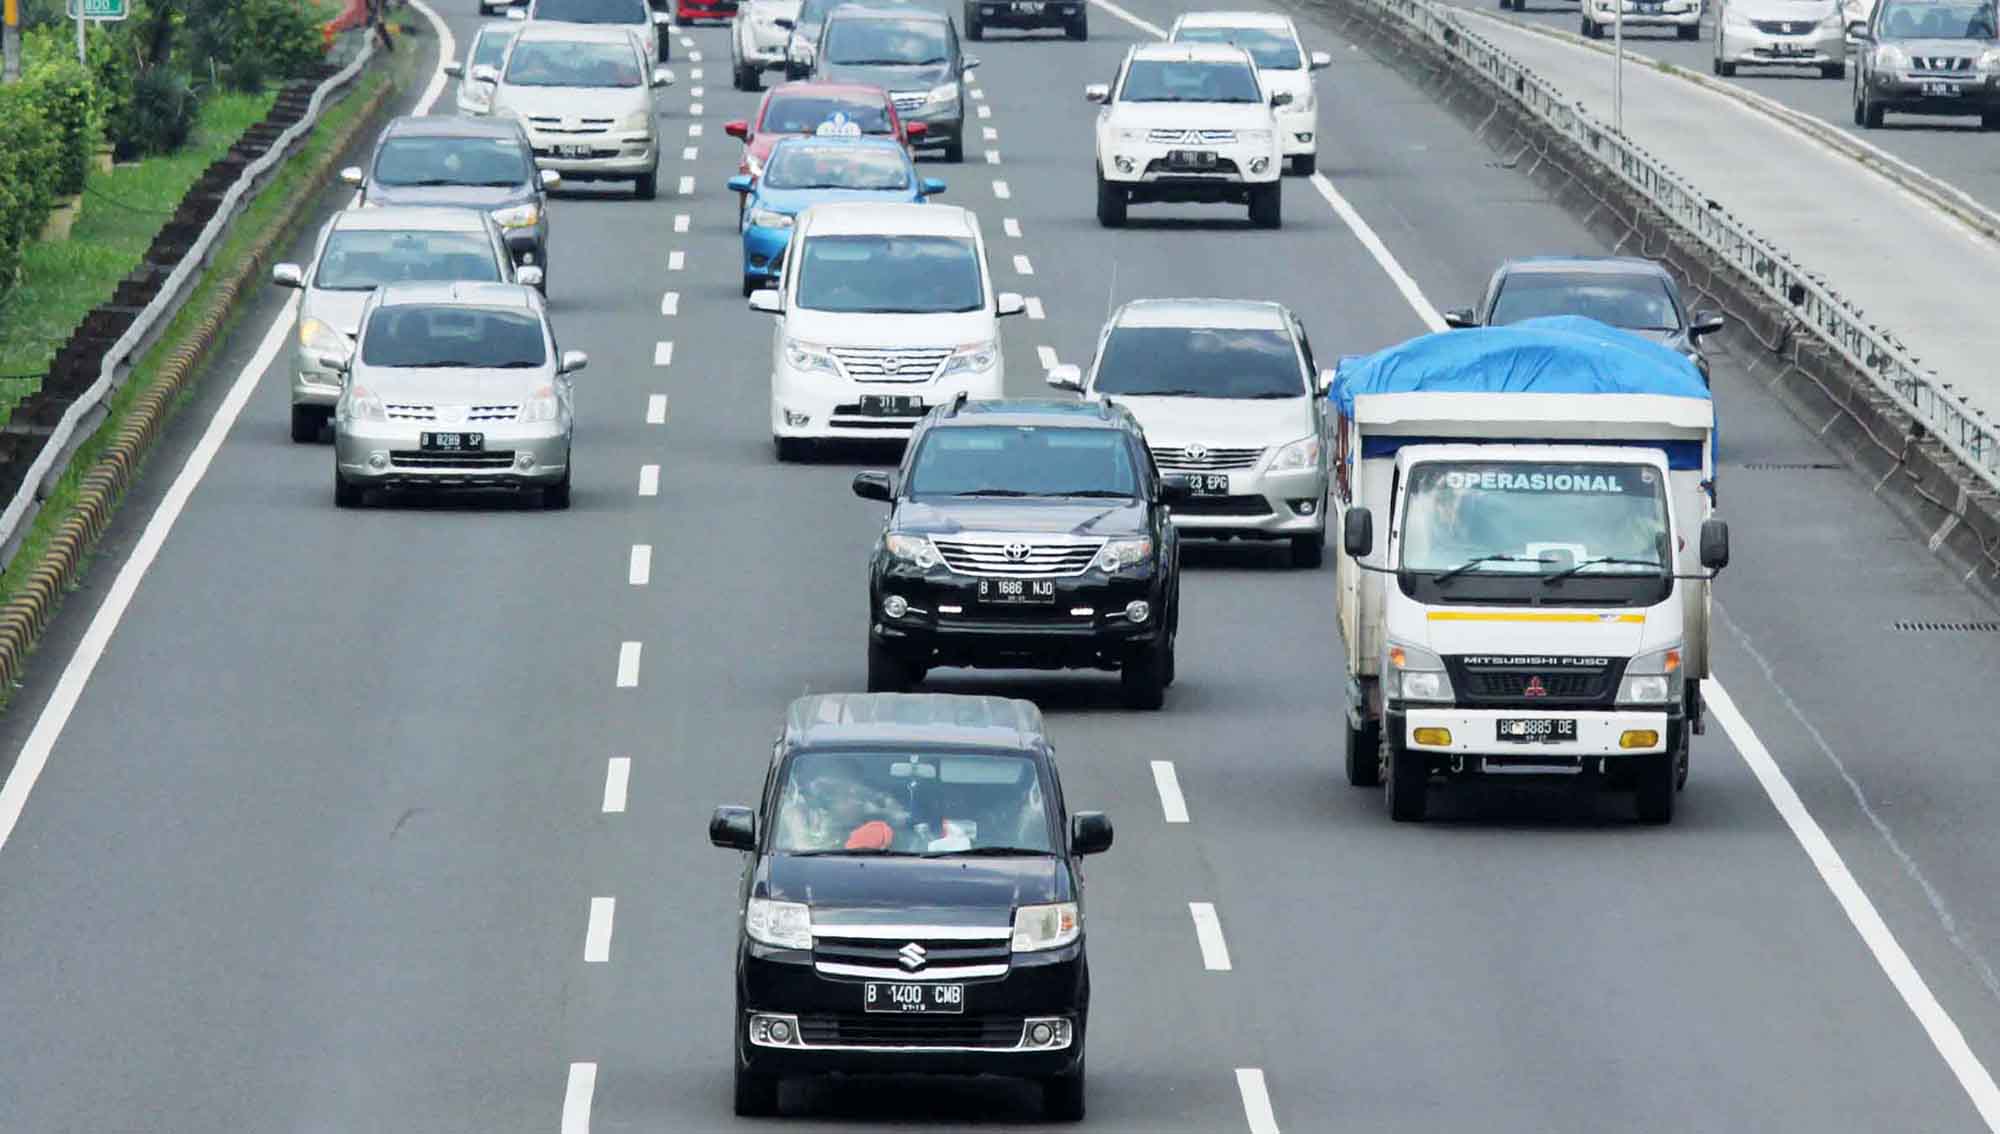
[884,310]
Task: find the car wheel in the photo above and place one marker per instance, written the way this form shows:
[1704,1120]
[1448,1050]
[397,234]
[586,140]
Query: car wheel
[1989,121]
[307,421]
[555,497]
[1266,204]
[974,30]
[666,49]
[647,186]
[1405,782]
[1305,165]
[1855,101]
[793,449]
[954,151]
[346,495]
[1689,31]
[1111,202]
[887,673]
[1589,29]
[1364,755]
[1834,71]
[756,1094]
[1172,670]
[1078,27]
[1871,113]
[1062,1096]
[1309,551]
[746,78]
[1143,676]
[1725,69]
[1653,793]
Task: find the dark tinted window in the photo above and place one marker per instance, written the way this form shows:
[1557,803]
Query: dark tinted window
[1023,460]
[1199,362]
[1636,302]
[866,42]
[924,803]
[802,114]
[595,11]
[491,47]
[418,159]
[550,63]
[796,165]
[1272,48]
[362,261]
[1905,19]
[882,274]
[414,335]
[1170,80]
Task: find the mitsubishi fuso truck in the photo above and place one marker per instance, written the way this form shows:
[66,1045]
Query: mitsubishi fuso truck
[1525,516]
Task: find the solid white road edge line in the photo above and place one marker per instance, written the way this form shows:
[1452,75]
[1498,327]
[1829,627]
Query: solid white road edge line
[1250,1084]
[656,409]
[447,49]
[628,665]
[1208,934]
[639,571]
[1172,804]
[617,778]
[597,935]
[576,1098]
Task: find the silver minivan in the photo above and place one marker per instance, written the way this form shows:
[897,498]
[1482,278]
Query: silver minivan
[585,95]
[1228,395]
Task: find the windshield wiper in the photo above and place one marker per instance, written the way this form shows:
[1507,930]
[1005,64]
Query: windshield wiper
[1575,567]
[1161,393]
[1097,493]
[1476,560]
[989,852]
[995,492]
[855,852]
[426,183]
[879,62]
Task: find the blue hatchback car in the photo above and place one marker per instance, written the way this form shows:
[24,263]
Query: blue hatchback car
[838,163]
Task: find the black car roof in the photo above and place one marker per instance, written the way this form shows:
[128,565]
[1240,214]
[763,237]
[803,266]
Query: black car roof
[1072,413]
[913,720]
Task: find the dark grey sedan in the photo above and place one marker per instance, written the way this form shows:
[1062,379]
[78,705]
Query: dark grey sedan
[1624,292]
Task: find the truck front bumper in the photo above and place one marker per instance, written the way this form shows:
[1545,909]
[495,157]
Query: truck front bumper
[1468,740]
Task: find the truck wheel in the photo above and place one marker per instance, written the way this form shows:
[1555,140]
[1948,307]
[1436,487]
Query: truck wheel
[756,1094]
[1653,791]
[1266,204]
[887,673]
[1406,784]
[1364,755]
[1143,677]
[1110,203]
[1062,1096]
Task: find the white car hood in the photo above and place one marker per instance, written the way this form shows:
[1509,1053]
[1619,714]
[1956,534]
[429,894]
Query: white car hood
[1191,115]
[1173,423]
[1297,83]
[1790,11]
[571,102]
[950,329]
[452,387]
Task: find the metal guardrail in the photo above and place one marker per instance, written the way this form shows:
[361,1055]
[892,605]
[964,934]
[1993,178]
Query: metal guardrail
[63,439]
[1896,372]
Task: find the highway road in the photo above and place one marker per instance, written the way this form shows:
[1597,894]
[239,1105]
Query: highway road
[394,819]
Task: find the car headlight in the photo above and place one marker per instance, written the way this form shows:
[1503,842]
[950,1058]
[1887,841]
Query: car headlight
[973,358]
[362,405]
[770,218]
[542,405]
[1890,56]
[1653,679]
[1118,554]
[518,216]
[1046,927]
[1989,59]
[1300,454]
[1254,137]
[637,122]
[801,355]
[1416,674]
[918,551]
[786,925]
[1734,17]
[942,93]
[500,111]
[316,337]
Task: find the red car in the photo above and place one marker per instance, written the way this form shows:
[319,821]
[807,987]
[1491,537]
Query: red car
[691,11]
[794,110]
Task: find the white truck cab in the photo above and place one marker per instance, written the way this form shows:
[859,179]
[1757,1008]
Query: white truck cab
[1527,535]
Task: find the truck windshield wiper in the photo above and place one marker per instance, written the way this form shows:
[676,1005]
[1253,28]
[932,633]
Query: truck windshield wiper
[1574,568]
[1476,560]
[990,852]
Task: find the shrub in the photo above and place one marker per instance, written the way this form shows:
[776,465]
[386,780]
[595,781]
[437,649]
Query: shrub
[159,116]
[64,95]
[250,40]
[29,154]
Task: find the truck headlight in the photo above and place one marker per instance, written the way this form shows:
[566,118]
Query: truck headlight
[1416,674]
[1046,927]
[1300,454]
[801,355]
[317,338]
[1118,554]
[769,218]
[1653,679]
[518,216]
[941,94]
[973,358]
[542,405]
[786,925]
[918,551]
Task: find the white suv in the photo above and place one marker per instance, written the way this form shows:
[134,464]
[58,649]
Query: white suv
[883,312]
[1188,122]
[1273,42]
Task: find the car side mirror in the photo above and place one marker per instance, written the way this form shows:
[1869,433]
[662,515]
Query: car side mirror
[738,129]
[1460,317]
[741,183]
[1008,303]
[351,175]
[663,19]
[932,186]
[1097,92]
[872,485]
[1282,98]
[517,13]
[733,828]
[338,363]
[1320,60]
[288,275]
[551,179]
[766,300]
[455,69]
[529,275]
[573,361]
[783,22]
[1175,491]
[1089,833]
[1067,376]
[967,64]
[521,242]
[1357,533]
[486,73]
[1859,29]
[662,77]
[1714,544]
[1325,382]
[915,132]
[1705,323]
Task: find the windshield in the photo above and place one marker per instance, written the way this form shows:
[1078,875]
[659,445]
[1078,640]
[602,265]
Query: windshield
[490,47]
[802,114]
[1636,302]
[905,803]
[547,63]
[1272,48]
[795,166]
[885,43]
[1902,19]
[595,11]
[812,13]
[1200,362]
[1170,80]
[883,274]
[1534,517]
[1024,460]
[362,261]
[421,160]
[416,335]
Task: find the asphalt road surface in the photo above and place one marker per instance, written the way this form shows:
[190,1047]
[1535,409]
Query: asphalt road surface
[317,845]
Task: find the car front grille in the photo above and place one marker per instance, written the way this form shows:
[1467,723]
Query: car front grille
[913,1029]
[907,101]
[1017,559]
[1940,64]
[890,365]
[1191,137]
[1224,169]
[883,953]
[1524,683]
[572,127]
[417,411]
[1783,27]
[1223,506]
[420,459]
[1179,459]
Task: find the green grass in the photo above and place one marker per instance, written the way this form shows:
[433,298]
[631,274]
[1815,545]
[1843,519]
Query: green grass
[62,281]
[255,220]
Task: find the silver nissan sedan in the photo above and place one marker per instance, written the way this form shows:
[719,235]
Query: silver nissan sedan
[454,385]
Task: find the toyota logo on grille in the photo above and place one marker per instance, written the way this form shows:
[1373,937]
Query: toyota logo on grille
[911,956]
[1016,552]
[1195,452]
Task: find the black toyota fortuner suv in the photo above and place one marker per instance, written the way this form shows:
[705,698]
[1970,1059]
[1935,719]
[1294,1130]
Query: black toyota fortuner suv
[1025,534]
[912,899]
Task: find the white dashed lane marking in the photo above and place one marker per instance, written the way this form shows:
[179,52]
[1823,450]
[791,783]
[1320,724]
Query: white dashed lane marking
[985,111]
[689,153]
[694,129]
[617,777]
[576,1099]
[687,186]
[1011,227]
[1035,308]
[694,108]
[639,570]
[628,662]
[670,303]
[676,260]
[597,936]
[989,133]
[656,410]
[1172,803]
[992,157]
[649,480]
[1001,191]
[663,353]
[1256,1101]
[1208,934]
[1022,266]
[682,221]
[1048,356]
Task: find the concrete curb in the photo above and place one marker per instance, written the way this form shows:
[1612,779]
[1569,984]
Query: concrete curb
[24,615]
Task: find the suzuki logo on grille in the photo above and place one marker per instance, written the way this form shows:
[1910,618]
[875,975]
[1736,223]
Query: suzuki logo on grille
[1535,688]
[1017,552]
[911,956]
[1195,452]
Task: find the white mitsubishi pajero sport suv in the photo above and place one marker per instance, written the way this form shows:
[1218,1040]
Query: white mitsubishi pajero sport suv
[1188,122]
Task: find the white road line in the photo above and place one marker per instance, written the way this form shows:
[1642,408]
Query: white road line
[670,303]
[687,186]
[676,260]
[687,41]
[447,49]
[1048,356]
[1412,294]
[639,571]
[1208,933]
[977,93]
[1151,28]
[1035,308]
[1011,227]
[985,111]
[656,409]
[989,134]
[663,353]
[649,480]
[992,157]
[695,73]
[1022,266]
[696,92]
[576,1100]
[694,108]
[1001,191]
[694,129]
[689,153]
[628,663]
[1256,1100]
[617,778]
[682,221]
[694,56]
[597,937]
[1171,802]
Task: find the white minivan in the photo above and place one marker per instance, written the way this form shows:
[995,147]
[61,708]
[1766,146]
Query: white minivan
[884,311]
